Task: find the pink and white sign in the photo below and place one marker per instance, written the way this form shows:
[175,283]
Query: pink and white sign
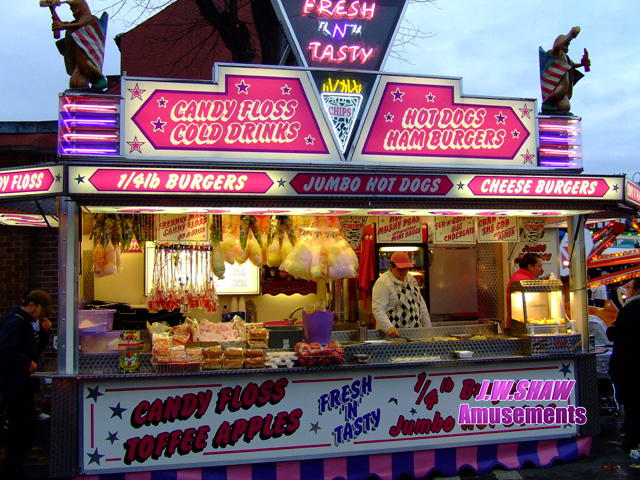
[399,229]
[182,228]
[537,187]
[119,180]
[20,220]
[497,229]
[249,113]
[426,120]
[364,184]
[454,229]
[27,181]
[205,420]
[632,193]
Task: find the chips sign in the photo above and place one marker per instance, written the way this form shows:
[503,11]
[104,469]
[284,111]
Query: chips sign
[353,35]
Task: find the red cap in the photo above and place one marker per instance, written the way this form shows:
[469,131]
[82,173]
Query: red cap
[401,260]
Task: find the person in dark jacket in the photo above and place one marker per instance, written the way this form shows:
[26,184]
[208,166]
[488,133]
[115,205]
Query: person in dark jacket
[19,358]
[625,358]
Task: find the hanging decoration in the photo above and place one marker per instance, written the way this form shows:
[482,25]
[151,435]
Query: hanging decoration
[182,279]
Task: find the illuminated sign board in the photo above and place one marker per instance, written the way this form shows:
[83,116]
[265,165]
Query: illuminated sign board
[24,220]
[426,120]
[98,180]
[342,97]
[632,193]
[30,181]
[352,35]
[248,113]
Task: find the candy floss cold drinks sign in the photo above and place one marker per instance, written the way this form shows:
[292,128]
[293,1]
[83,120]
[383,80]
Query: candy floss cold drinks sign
[194,421]
[247,113]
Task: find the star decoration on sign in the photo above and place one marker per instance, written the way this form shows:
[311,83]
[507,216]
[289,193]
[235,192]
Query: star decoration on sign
[413,411]
[525,111]
[158,125]
[286,90]
[615,188]
[136,145]
[528,157]
[566,368]
[315,427]
[94,393]
[281,182]
[397,95]
[460,186]
[388,117]
[515,134]
[80,179]
[112,437]
[243,87]
[500,118]
[309,140]
[58,178]
[430,97]
[136,92]
[117,410]
[94,457]
[162,103]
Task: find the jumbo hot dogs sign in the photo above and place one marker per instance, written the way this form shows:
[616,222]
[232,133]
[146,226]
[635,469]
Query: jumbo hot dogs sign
[275,114]
[238,419]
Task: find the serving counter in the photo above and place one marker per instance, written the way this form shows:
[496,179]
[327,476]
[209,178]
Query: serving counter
[411,398]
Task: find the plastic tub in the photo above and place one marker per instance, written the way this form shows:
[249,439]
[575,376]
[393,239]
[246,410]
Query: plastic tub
[317,327]
[95,321]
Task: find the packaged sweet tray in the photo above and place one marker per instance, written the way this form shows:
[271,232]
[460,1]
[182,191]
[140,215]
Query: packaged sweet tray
[320,360]
[176,367]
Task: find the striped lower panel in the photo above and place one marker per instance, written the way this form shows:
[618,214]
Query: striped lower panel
[447,461]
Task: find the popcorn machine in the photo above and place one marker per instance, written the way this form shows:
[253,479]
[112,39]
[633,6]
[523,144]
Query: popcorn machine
[537,307]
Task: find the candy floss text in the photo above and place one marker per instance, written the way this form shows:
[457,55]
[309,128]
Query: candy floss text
[181,408]
[346,400]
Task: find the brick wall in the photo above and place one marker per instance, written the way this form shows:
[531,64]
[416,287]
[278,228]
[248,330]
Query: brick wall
[29,261]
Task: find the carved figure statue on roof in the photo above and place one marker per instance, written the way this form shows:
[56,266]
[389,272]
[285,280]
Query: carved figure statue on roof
[558,74]
[83,44]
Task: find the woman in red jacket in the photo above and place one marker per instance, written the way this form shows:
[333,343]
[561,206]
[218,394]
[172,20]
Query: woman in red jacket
[530,268]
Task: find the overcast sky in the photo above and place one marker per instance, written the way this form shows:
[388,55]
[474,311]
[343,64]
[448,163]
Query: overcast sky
[491,44]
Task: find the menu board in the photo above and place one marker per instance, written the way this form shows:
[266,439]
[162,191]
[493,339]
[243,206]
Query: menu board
[182,228]
[497,229]
[454,229]
[239,279]
[399,229]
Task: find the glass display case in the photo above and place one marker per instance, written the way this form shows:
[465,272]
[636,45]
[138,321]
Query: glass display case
[537,307]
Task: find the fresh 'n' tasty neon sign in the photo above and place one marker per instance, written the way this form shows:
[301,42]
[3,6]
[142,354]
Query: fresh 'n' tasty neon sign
[356,10]
[336,24]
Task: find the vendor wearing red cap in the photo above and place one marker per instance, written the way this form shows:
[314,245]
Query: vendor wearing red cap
[397,302]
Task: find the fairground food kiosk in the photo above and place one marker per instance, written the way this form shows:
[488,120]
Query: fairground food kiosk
[475,179]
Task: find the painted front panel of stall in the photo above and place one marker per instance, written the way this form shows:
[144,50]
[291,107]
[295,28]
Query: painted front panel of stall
[198,420]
